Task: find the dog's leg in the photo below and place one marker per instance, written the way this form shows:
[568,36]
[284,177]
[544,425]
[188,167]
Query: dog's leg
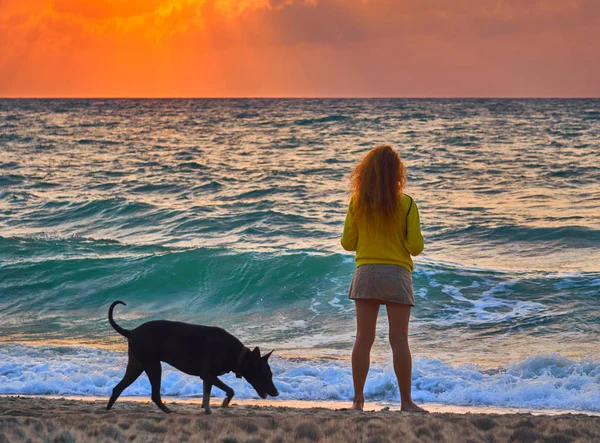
[134,370]
[206,388]
[219,384]
[154,372]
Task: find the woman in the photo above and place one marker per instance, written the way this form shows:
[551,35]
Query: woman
[383,227]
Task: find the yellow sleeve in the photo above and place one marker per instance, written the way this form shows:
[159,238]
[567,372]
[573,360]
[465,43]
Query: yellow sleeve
[350,235]
[414,238]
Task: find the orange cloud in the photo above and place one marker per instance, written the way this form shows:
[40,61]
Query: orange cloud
[299,47]
[105,9]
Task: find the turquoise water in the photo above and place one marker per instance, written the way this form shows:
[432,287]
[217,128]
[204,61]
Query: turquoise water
[229,212]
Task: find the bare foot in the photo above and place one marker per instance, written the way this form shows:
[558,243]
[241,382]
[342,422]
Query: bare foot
[358,405]
[412,407]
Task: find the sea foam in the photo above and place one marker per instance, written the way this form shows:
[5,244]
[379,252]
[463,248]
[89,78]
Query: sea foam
[539,382]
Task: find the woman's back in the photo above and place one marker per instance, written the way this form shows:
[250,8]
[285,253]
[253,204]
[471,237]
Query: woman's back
[375,244]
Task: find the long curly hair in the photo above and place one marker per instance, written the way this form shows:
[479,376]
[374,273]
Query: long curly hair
[377,182]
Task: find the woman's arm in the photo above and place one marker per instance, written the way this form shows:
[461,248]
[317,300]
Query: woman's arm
[350,235]
[414,238]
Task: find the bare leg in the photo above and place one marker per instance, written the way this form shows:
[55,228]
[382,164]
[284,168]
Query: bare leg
[134,370]
[366,322]
[154,372]
[398,318]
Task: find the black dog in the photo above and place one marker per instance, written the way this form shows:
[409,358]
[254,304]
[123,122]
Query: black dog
[196,350]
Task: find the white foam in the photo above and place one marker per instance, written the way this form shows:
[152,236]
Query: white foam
[540,382]
[487,308]
[313,305]
[421,292]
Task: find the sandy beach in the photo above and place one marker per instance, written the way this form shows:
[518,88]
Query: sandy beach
[70,420]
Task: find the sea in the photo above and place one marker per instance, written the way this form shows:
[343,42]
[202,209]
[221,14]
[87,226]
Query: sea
[229,213]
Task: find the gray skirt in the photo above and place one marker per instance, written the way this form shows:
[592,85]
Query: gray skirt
[387,283]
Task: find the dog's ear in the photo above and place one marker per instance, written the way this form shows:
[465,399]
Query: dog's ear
[266,356]
[256,352]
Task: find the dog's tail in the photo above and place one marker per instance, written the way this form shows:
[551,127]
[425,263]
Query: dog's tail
[119,329]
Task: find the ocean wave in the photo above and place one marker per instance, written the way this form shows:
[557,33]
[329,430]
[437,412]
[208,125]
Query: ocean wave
[538,382]
[109,212]
[326,119]
[45,281]
[11,180]
[17,196]
[567,236]
[211,277]
[192,165]
[104,142]
[9,165]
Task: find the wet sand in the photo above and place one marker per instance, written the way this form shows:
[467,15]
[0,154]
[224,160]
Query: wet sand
[69,420]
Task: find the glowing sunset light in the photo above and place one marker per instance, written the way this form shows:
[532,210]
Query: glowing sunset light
[223,48]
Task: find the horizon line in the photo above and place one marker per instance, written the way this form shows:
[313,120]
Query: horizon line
[298,97]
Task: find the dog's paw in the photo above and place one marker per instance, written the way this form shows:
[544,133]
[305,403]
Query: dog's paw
[207,411]
[225,402]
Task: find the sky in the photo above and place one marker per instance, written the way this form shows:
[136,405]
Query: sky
[299,48]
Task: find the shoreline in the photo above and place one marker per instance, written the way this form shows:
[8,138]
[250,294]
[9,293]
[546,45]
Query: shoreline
[334,405]
[72,420]
[548,384]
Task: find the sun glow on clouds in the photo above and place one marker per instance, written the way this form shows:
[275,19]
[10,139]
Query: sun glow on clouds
[299,47]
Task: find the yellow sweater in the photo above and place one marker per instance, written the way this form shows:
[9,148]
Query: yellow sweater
[393,248]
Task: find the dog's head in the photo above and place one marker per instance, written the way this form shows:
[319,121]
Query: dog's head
[257,371]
